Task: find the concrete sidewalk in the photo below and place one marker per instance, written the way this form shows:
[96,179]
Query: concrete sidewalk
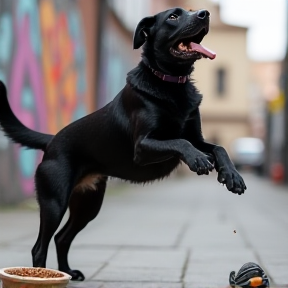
[173,234]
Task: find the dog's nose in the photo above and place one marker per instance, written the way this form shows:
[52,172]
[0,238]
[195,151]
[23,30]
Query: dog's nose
[202,14]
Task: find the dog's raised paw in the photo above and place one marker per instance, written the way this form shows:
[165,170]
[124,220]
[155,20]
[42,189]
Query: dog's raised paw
[201,165]
[232,179]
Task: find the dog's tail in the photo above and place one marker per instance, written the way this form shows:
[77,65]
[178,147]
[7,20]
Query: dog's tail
[15,130]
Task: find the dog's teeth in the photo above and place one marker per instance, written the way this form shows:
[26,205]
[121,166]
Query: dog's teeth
[181,46]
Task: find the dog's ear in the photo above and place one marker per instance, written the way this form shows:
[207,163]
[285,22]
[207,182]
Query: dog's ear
[143,31]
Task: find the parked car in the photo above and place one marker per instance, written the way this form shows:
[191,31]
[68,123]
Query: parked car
[248,152]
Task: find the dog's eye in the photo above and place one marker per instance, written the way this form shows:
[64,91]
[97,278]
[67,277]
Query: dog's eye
[173,17]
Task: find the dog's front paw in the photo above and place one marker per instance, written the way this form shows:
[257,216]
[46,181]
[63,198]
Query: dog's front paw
[200,164]
[234,182]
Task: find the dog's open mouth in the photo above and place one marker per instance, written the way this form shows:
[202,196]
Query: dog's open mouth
[188,48]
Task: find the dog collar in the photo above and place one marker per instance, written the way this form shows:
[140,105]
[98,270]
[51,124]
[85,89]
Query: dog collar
[169,78]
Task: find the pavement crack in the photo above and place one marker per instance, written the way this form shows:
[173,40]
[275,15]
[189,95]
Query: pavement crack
[104,264]
[181,234]
[185,267]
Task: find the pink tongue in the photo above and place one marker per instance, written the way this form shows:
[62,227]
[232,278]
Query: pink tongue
[201,49]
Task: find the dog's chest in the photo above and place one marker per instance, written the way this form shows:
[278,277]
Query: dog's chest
[172,122]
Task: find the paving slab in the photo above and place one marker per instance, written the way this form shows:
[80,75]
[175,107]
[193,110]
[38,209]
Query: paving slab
[136,274]
[94,284]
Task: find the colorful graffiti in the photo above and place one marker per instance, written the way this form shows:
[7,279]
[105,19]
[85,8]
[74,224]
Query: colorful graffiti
[42,61]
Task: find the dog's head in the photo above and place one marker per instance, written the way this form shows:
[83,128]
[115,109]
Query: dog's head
[172,39]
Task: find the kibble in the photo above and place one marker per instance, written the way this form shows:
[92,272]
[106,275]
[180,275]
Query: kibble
[34,272]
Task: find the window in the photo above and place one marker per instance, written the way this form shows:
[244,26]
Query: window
[221,81]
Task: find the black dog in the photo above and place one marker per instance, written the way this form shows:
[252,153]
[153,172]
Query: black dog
[142,135]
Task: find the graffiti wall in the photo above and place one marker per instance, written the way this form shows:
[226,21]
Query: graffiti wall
[42,62]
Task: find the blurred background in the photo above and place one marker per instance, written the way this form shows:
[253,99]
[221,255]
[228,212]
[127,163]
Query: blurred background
[63,59]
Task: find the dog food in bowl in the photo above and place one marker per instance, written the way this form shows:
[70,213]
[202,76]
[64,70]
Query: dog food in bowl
[31,277]
[34,272]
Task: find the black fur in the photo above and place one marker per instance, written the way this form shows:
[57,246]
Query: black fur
[142,135]
[15,130]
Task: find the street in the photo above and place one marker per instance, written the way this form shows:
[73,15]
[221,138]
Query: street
[180,232]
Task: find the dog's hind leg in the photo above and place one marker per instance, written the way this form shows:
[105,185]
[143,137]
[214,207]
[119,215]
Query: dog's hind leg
[84,205]
[53,180]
